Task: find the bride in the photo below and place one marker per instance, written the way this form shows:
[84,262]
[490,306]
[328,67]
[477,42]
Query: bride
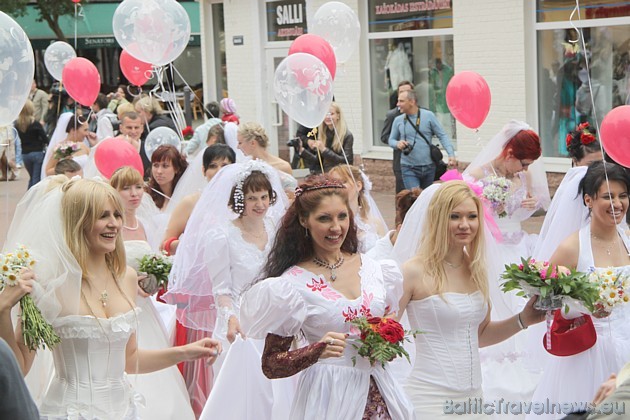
[85,290]
[76,130]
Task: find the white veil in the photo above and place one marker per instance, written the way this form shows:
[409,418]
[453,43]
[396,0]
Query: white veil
[190,284]
[230,134]
[536,171]
[375,213]
[57,137]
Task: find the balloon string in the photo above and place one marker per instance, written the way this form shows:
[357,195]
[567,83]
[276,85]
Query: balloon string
[319,155]
[59,97]
[159,192]
[206,111]
[76,19]
[580,38]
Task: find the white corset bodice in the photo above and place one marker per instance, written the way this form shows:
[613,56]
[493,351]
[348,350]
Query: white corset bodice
[447,351]
[89,381]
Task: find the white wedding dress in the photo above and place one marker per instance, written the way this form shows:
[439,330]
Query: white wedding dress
[164,391]
[577,378]
[447,366]
[90,380]
[302,303]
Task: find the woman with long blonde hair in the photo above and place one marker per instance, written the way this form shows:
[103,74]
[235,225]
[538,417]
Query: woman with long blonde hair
[446,295]
[334,142]
[34,141]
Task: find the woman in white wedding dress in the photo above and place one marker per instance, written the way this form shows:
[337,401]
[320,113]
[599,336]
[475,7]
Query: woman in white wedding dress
[446,297]
[224,246]
[316,282]
[164,391]
[71,129]
[84,289]
[370,224]
[601,244]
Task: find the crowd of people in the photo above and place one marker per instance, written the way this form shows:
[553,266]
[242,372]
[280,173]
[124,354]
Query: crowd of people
[270,272]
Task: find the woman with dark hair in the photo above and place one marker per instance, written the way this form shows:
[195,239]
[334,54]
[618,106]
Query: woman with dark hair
[76,130]
[600,245]
[316,283]
[167,167]
[583,146]
[512,161]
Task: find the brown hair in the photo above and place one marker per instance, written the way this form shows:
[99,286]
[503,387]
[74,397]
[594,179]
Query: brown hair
[404,201]
[255,182]
[168,153]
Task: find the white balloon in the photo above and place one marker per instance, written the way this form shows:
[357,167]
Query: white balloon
[17,68]
[339,25]
[159,137]
[153,31]
[56,56]
[303,88]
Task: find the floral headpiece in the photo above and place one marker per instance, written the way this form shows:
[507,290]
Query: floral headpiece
[239,195]
[329,183]
[582,133]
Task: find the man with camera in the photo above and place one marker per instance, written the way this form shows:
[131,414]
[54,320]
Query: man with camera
[412,132]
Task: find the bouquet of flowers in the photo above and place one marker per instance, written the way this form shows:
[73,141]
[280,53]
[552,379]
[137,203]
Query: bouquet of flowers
[496,191]
[381,339]
[35,330]
[157,267]
[550,283]
[188,132]
[612,285]
[66,149]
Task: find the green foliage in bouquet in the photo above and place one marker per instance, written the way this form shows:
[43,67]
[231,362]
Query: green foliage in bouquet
[158,265]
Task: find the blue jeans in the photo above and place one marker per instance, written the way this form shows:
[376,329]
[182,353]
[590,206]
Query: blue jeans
[18,151]
[418,176]
[33,163]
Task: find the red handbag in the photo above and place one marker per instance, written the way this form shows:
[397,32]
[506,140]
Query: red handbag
[570,336]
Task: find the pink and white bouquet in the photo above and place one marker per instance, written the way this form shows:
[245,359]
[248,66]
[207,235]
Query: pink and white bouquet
[612,284]
[496,191]
[66,149]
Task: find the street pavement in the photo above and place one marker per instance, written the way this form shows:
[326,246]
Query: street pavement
[12,191]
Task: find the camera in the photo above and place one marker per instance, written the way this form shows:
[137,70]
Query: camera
[294,142]
[407,149]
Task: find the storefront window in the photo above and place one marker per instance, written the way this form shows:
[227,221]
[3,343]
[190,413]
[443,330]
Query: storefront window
[396,15]
[565,99]
[218,23]
[427,62]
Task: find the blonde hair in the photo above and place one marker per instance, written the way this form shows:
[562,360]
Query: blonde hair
[81,206]
[124,109]
[350,174]
[341,130]
[434,243]
[150,105]
[26,117]
[254,131]
[124,177]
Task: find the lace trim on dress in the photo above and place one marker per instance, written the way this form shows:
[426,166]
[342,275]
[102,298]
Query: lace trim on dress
[280,362]
[375,409]
[83,326]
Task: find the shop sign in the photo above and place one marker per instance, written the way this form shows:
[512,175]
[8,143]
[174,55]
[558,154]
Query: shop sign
[395,8]
[392,15]
[286,20]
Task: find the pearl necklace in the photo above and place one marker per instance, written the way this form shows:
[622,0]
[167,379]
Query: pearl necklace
[133,228]
[332,267]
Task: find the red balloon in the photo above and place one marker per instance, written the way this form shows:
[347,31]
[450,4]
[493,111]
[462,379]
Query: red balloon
[82,81]
[317,46]
[112,154]
[76,1]
[468,98]
[136,71]
[614,134]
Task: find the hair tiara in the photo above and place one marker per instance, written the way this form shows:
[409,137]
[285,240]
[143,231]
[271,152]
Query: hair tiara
[251,166]
[329,183]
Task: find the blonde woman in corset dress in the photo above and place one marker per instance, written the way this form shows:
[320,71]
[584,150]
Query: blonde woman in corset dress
[446,296]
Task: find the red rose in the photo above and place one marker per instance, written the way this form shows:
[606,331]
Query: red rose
[391,331]
[374,320]
[568,139]
[188,131]
[587,138]
[583,126]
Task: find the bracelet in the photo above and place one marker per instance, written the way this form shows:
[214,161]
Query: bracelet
[520,322]
[167,244]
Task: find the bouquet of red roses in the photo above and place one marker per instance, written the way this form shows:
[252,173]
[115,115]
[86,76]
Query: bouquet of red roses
[188,132]
[381,339]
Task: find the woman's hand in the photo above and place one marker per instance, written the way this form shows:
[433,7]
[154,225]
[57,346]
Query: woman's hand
[141,292]
[11,295]
[606,389]
[335,344]
[209,348]
[531,316]
[312,143]
[320,145]
[529,203]
[234,327]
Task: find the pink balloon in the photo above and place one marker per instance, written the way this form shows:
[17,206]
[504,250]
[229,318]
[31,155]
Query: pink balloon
[468,98]
[136,71]
[112,154]
[615,134]
[317,46]
[82,81]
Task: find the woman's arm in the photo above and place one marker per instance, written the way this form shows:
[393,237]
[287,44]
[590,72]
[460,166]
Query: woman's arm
[10,297]
[178,220]
[50,166]
[493,332]
[280,362]
[411,277]
[338,158]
